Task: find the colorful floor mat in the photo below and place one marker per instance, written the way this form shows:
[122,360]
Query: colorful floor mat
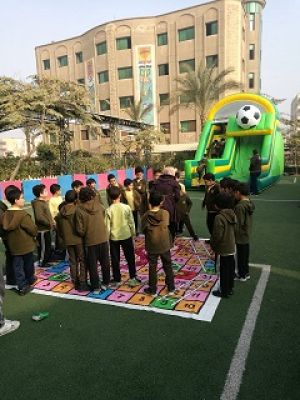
[194,280]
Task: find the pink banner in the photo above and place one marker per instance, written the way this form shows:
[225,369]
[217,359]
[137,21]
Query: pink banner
[121,176]
[48,182]
[79,177]
[102,180]
[150,174]
[3,186]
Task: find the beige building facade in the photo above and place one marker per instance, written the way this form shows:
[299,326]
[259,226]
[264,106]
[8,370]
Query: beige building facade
[123,61]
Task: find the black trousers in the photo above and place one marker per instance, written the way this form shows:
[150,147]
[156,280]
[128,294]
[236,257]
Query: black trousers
[44,248]
[95,253]
[210,219]
[243,259]
[24,270]
[167,267]
[227,267]
[187,222]
[9,270]
[77,263]
[128,249]
[172,229]
[253,182]
[135,214]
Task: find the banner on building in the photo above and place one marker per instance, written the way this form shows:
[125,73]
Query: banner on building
[145,84]
[90,80]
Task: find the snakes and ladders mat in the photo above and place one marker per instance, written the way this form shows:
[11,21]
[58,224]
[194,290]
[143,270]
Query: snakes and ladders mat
[194,274]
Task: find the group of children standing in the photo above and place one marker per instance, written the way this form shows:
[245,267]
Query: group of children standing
[229,221]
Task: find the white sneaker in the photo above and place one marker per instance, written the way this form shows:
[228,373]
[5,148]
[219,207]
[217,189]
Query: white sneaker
[9,326]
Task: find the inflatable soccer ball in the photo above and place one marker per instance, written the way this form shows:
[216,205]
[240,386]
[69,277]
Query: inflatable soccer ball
[248,117]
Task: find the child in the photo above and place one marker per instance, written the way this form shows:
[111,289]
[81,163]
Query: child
[223,243]
[243,211]
[140,185]
[55,200]
[77,185]
[156,174]
[21,233]
[10,276]
[112,182]
[133,199]
[66,230]
[44,223]
[120,225]
[91,183]
[89,222]
[158,242]
[183,208]
[212,189]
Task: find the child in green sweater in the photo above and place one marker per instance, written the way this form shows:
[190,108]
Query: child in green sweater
[21,233]
[120,225]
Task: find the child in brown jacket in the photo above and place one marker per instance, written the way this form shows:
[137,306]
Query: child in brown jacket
[66,231]
[89,217]
[44,223]
[21,233]
[158,242]
[223,243]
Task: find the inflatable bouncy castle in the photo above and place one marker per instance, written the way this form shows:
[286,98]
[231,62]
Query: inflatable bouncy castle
[235,126]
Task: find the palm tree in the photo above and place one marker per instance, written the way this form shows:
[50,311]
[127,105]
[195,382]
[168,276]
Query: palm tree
[137,111]
[200,89]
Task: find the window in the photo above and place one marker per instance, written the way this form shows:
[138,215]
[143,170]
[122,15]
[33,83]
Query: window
[165,127]
[81,81]
[163,69]
[184,99]
[253,7]
[125,73]
[126,101]
[162,39]
[251,51]
[53,138]
[46,64]
[104,105]
[188,126]
[103,77]
[186,34]
[252,22]
[186,66]
[251,80]
[62,61]
[84,134]
[211,28]
[212,61]
[164,99]
[79,57]
[101,48]
[123,43]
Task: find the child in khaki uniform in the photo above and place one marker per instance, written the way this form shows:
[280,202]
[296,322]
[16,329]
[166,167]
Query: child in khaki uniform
[133,199]
[158,242]
[66,231]
[89,220]
[21,233]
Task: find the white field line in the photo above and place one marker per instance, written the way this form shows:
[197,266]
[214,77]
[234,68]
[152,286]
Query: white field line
[238,362]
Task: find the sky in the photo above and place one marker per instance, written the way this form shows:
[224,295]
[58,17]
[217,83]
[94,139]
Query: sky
[25,24]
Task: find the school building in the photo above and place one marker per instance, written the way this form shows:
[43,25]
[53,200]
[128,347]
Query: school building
[125,60]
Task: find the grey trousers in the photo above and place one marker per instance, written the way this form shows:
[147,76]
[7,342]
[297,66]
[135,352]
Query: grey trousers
[2,287]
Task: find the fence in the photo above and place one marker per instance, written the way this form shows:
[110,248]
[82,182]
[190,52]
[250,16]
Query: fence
[65,181]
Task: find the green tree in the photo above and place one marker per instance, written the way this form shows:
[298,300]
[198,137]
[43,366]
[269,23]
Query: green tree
[43,107]
[137,111]
[201,88]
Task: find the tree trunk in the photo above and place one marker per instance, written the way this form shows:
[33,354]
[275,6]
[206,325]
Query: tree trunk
[21,159]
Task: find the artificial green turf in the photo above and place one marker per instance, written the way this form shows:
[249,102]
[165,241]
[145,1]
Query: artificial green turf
[88,350]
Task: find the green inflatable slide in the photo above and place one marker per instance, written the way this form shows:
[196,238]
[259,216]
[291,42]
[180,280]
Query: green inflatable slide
[237,125]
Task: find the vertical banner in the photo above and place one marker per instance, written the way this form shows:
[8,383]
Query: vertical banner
[145,82]
[90,79]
